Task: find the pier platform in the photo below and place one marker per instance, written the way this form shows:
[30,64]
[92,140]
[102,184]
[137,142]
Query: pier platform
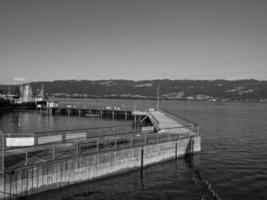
[56,159]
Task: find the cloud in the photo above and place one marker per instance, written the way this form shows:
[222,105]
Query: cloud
[22,79]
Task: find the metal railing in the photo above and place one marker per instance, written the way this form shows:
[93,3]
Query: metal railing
[193,126]
[17,157]
[154,121]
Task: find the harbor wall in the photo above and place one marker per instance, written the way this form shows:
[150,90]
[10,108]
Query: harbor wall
[33,179]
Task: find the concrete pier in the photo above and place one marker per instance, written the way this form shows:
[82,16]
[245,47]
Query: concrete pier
[94,157]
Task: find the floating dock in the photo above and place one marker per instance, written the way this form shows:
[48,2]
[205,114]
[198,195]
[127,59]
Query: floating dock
[39,162]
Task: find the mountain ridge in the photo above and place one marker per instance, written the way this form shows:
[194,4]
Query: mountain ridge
[202,90]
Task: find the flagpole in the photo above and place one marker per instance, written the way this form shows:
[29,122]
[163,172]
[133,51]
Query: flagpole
[158,98]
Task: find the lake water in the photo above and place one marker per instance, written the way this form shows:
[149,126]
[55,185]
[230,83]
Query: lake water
[233,157]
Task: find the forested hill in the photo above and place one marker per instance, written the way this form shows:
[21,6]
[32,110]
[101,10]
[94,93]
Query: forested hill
[205,90]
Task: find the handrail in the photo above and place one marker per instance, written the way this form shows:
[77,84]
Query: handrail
[111,145]
[185,122]
[44,133]
[156,125]
[92,145]
[98,136]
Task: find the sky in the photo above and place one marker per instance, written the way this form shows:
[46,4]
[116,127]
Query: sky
[132,39]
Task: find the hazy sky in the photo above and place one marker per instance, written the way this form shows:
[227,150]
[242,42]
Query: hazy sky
[179,39]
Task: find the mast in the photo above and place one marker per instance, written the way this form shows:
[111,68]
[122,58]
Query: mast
[158,98]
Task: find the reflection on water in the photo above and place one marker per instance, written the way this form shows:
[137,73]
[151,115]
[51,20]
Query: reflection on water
[33,121]
[169,180]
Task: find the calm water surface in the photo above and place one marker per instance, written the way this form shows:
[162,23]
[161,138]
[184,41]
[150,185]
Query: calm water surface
[233,157]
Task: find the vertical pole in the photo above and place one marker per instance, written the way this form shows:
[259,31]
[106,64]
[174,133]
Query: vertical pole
[192,146]
[145,138]
[125,115]
[169,135]
[97,144]
[158,98]
[26,158]
[175,155]
[53,149]
[142,158]
[115,142]
[10,183]
[2,151]
[77,147]
[131,139]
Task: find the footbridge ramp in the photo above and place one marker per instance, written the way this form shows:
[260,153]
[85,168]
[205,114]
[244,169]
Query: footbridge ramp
[163,122]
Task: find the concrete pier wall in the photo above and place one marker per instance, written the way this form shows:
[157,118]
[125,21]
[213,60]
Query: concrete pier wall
[38,178]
